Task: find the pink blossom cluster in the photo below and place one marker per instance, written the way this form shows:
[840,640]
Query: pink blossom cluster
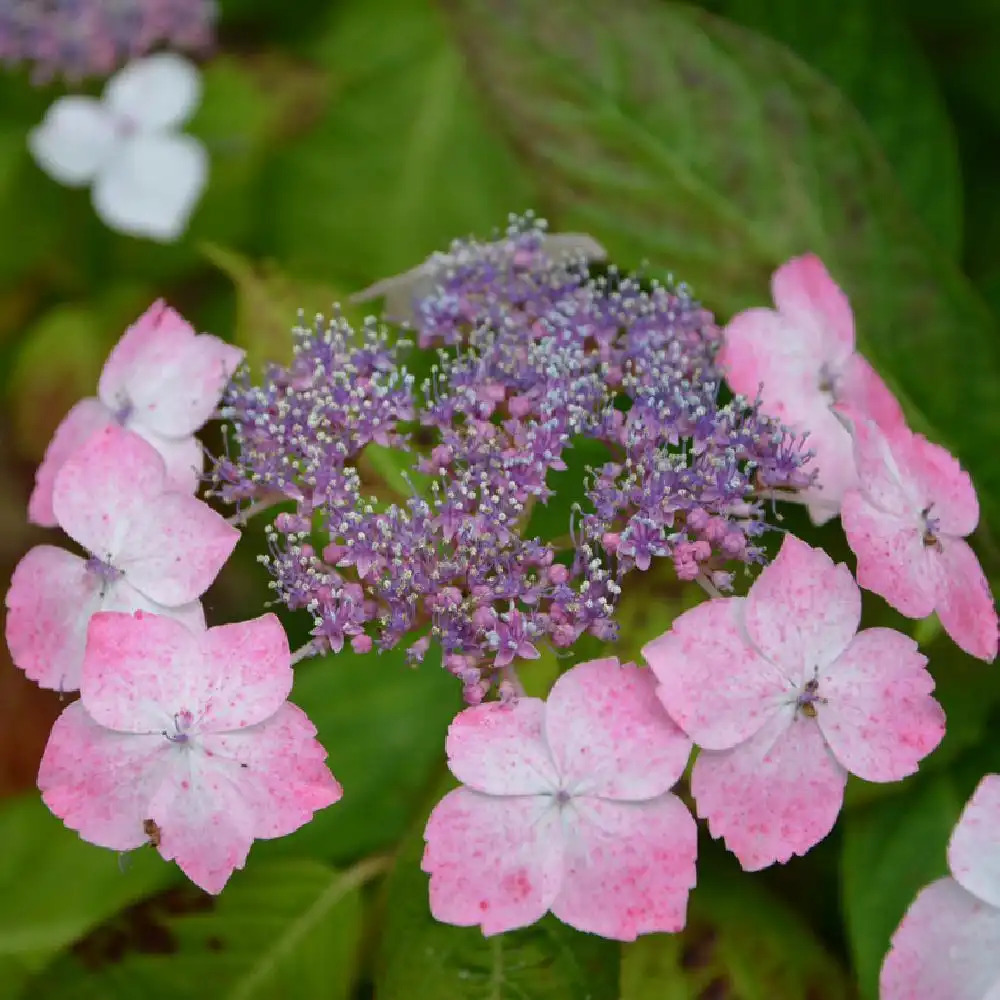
[182,735]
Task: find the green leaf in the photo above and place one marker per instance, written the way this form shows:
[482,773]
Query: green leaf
[421,959]
[675,136]
[383,725]
[740,943]
[402,162]
[867,50]
[892,848]
[54,887]
[282,929]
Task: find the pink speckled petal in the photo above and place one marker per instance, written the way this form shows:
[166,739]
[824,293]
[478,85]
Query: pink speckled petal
[629,866]
[885,484]
[964,604]
[776,795]
[974,850]
[501,749]
[174,552]
[946,948]
[170,377]
[184,458]
[803,609]
[278,767]
[862,390]
[251,673]
[833,460]
[205,825]
[101,783]
[609,734]
[892,558]
[715,685]
[140,669]
[84,420]
[942,484]
[494,861]
[807,297]
[105,487]
[879,718]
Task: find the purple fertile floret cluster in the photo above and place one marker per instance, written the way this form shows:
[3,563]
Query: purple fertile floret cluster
[533,356]
[82,38]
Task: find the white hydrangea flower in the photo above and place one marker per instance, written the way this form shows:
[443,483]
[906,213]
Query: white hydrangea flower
[146,176]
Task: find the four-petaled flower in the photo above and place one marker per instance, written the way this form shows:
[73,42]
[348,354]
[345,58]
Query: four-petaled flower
[801,359]
[149,548]
[146,176]
[188,734]
[784,700]
[948,944]
[907,521]
[161,380]
[566,806]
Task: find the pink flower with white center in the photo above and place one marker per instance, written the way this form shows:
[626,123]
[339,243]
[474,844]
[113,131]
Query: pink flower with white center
[161,380]
[148,548]
[947,947]
[784,700]
[907,521]
[566,806]
[800,357]
[185,738]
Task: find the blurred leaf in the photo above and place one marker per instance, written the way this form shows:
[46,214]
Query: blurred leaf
[892,848]
[867,50]
[403,161]
[740,943]
[54,887]
[282,929]
[421,959]
[711,150]
[383,725]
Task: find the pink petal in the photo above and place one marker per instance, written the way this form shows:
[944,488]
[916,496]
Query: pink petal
[277,766]
[803,610]
[105,486]
[494,861]
[205,825]
[811,300]
[501,749]
[101,783]
[170,377]
[974,851]
[942,484]
[946,948]
[176,549]
[964,603]
[251,673]
[184,458]
[833,459]
[892,558]
[881,479]
[715,685]
[862,390]
[609,734]
[879,718]
[776,795]
[629,867]
[50,602]
[84,420]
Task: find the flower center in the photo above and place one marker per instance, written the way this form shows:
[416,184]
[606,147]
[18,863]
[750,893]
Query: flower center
[931,527]
[123,411]
[808,698]
[827,384]
[182,723]
[562,798]
[104,571]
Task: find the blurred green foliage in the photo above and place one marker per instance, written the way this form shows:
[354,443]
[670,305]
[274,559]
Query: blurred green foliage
[349,139]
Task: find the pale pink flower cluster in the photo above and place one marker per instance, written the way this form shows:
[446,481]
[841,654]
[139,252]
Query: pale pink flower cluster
[182,736]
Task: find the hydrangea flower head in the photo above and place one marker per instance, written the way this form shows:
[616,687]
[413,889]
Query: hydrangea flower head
[785,699]
[906,522]
[80,38]
[145,176]
[162,381]
[148,548]
[801,358]
[187,733]
[947,947]
[566,806]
